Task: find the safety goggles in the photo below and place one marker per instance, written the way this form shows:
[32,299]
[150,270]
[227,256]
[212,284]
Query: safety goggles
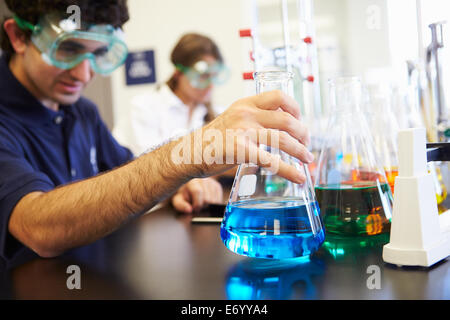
[64,45]
[201,75]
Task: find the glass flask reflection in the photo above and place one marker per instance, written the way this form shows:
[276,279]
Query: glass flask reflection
[351,187]
[253,279]
[268,216]
[353,249]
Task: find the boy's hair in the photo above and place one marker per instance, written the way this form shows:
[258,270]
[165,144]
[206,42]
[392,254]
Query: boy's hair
[113,12]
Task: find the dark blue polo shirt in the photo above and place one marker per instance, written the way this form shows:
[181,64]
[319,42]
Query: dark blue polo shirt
[41,149]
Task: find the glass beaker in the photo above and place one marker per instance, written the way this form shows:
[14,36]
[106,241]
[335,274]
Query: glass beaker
[268,216]
[351,186]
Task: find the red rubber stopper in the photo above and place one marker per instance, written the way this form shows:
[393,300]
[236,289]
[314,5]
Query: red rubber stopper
[307,40]
[310,78]
[248,76]
[245,33]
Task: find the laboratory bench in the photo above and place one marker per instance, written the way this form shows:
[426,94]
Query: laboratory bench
[164,256]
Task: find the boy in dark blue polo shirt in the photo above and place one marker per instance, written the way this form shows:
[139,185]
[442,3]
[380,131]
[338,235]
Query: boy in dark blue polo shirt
[55,149]
[49,136]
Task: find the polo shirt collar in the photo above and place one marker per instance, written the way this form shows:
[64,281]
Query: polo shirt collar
[18,102]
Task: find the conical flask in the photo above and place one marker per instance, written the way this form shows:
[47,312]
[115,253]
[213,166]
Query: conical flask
[351,186]
[385,129]
[268,216]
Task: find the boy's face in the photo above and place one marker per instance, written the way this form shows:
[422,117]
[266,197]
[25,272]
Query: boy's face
[49,83]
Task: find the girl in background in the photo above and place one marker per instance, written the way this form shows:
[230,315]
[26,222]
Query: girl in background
[176,107]
[181,104]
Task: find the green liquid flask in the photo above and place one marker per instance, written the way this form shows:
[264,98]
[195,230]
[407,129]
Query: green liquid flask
[351,185]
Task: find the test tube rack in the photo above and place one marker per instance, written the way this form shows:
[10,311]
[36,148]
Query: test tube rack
[419,236]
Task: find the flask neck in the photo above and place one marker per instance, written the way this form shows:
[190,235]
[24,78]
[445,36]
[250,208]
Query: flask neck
[274,80]
[346,94]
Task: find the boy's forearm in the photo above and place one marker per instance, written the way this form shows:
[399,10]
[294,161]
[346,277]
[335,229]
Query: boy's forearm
[82,212]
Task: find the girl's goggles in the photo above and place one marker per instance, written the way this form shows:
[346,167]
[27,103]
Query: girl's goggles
[65,46]
[201,75]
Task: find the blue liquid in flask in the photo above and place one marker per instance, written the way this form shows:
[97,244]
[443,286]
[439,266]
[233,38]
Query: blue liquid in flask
[272,228]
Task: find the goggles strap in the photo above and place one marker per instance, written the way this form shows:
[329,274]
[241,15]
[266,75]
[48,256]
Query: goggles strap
[23,24]
[181,68]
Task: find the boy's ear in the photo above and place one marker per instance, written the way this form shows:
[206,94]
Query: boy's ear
[16,36]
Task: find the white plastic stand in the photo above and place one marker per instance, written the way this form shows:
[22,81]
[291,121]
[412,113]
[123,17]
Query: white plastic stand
[419,236]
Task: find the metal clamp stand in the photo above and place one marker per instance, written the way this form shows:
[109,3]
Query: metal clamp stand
[419,236]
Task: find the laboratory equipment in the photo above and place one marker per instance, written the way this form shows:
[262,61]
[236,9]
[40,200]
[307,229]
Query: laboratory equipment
[419,95]
[406,101]
[438,118]
[268,216]
[419,236]
[384,126]
[283,37]
[435,77]
[351,186]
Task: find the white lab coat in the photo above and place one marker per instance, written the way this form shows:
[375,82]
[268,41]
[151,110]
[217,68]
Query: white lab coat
[154,118]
